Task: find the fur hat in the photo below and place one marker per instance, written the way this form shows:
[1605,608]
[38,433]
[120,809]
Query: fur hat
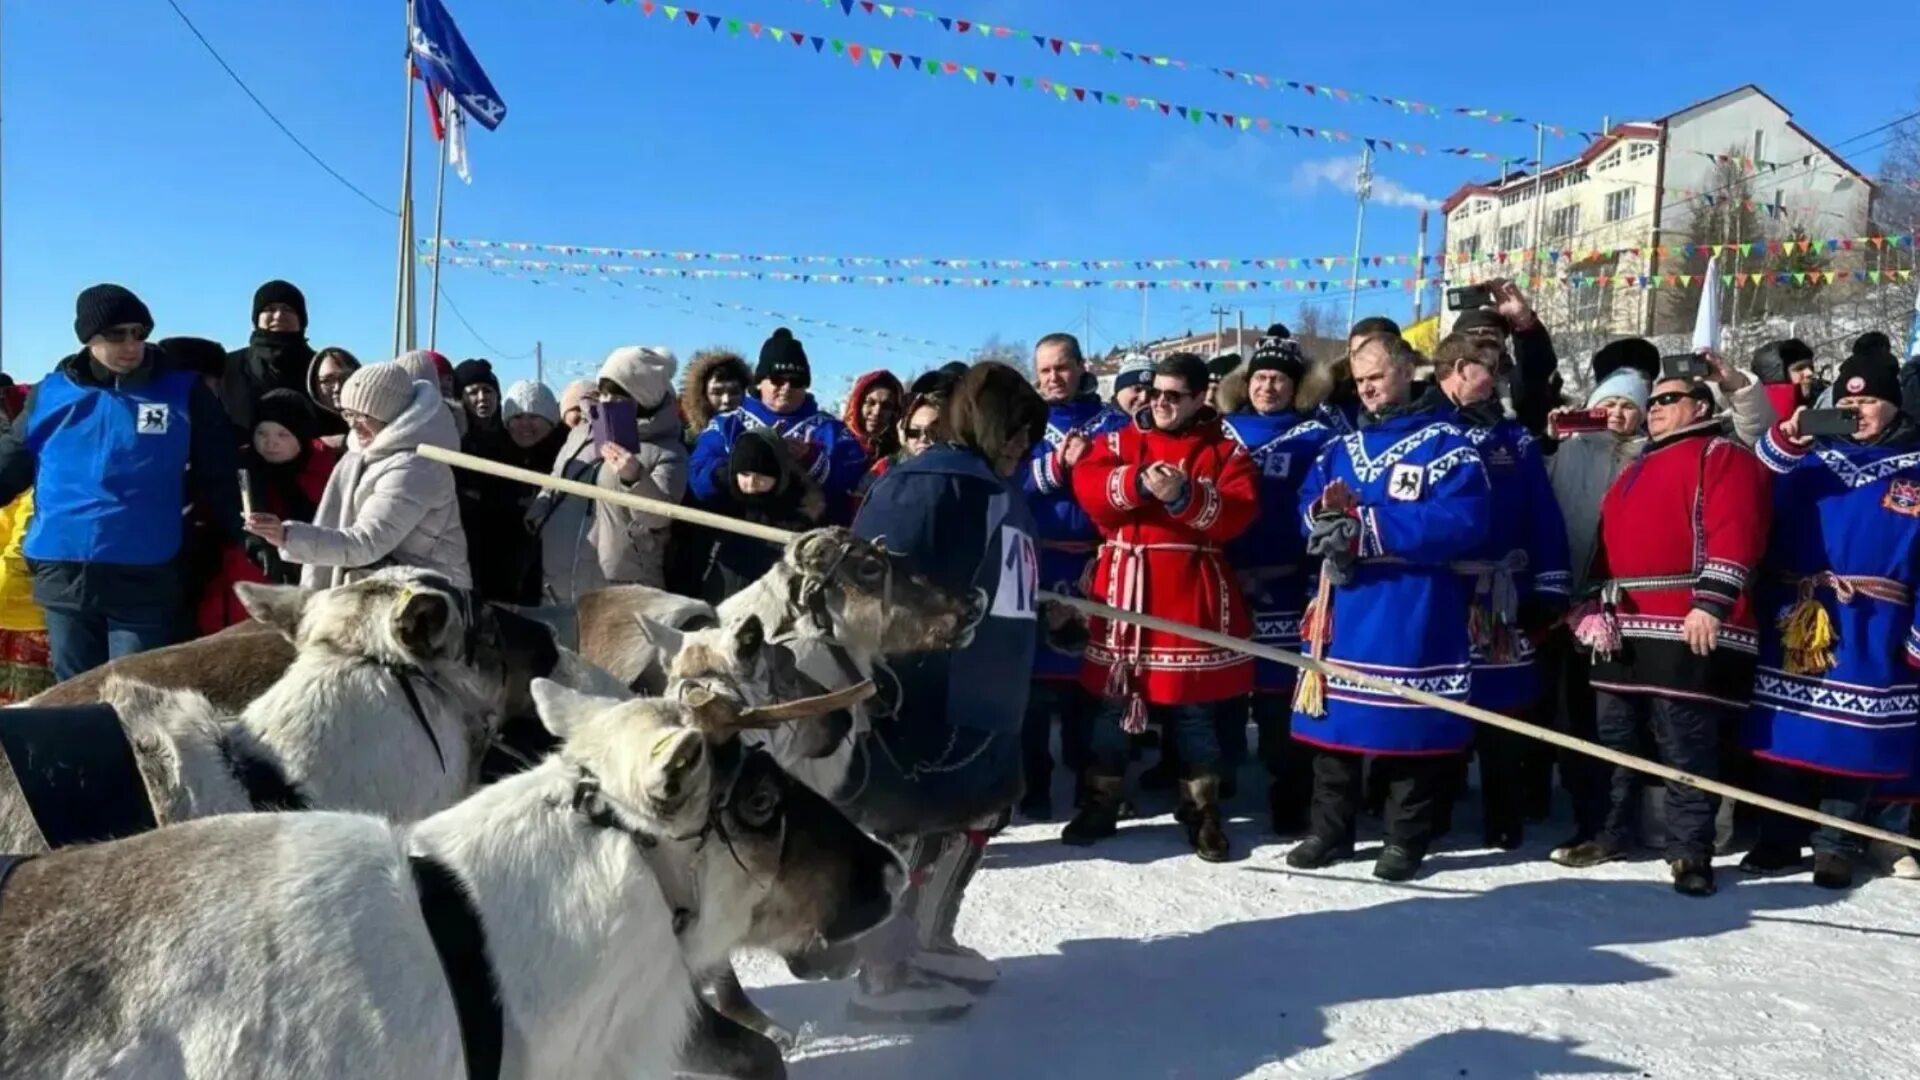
[1867,375]
[101,307]
[645,372]
[1626,383]
[990,405]
[1773,361]
[530,398]
[783,358]
[382,391]
[280,292]
[1278,354]
[1136,369]
[1637,353]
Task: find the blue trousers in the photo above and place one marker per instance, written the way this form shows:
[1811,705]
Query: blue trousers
[79,640]
[1191,727]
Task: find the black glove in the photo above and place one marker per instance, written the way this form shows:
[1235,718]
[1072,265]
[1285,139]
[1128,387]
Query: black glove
[1337,541]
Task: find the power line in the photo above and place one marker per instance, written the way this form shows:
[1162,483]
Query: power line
[284,130]
[475,334]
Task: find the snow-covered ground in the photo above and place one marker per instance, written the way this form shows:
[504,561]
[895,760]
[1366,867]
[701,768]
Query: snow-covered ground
[1134,959]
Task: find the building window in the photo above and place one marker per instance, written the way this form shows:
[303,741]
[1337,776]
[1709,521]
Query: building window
[1759,142]
[1563,223]
[1470,246]
[1590,304]
[1576,176]
[1608,162]
[1513,236]
[1620,205]
[1639,150]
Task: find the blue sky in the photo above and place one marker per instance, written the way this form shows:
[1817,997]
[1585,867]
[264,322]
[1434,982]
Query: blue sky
[130,156]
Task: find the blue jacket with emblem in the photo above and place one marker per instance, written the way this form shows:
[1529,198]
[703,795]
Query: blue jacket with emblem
[1066,535]
[110,458]
[954,520]
[836,461]
[1271,556]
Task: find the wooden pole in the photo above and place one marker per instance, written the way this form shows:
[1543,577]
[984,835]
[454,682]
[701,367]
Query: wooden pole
[1209,637]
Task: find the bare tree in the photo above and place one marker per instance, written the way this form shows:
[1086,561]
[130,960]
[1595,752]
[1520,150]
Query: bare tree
[1005,352]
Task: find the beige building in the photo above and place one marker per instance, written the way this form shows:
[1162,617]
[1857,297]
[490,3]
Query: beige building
[1638,187]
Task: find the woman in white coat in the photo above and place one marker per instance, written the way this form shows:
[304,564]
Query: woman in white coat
[385,504]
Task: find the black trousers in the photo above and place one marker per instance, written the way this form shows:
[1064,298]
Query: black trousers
[1569,705]
[1504,757]
[1414,786]
[1289,764]
[1687,735]
[1075,708]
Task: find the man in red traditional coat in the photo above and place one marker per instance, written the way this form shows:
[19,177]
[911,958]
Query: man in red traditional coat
[1681,534]
[1166,494]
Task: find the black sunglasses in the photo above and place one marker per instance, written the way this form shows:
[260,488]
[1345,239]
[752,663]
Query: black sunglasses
[1670,398]
[917,433]
[782,380]
[120,335]
[1172,397]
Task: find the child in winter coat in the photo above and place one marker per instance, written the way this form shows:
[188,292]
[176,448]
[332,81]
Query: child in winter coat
[285,468]
[25,668]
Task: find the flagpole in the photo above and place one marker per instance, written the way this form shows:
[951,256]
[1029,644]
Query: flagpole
[439,199]
[1362,188]
[403,284]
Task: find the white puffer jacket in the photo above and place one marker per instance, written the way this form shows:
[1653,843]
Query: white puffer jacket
[386,505]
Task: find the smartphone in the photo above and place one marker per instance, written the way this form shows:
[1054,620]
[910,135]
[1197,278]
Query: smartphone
[1829,422]
[615,421]
[1684,367]
[1579,421]
[1469,297]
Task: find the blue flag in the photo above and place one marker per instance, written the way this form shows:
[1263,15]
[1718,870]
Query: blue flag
[443,58]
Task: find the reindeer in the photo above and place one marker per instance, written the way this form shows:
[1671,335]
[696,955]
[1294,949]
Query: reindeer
[578,896]
[384,709]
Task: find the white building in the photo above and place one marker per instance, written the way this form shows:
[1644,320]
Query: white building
[1637,187]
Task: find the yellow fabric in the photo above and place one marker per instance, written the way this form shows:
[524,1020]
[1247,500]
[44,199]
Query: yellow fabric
[17,609]
[1807,638]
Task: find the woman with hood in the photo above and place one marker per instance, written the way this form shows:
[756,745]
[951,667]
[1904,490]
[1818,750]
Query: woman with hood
[716,382]
[919,431]
[762,484]
[325,376]
[285,468]
[588,544]
[385,504]
[872,410]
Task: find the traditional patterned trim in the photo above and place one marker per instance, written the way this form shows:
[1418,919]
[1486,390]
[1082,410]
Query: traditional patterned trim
[1723,576]
[1281,628]
[1839,703]
[1208,503]
[1120,494]
[1162,658]
[1557,582]
[1913,646]
[1370,545]
[1855,476]
[1046,472]
[1446,680]
[1659,628]
[1439,467]
[1368,469]
[1776,455]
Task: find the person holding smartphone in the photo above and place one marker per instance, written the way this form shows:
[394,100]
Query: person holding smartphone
[1832,716]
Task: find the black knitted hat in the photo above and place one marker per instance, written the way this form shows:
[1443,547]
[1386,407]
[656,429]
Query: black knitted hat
[783,358]
[102,306]
[475,373]
[289,409]
[1281,355]
[1867,375]
[280,292]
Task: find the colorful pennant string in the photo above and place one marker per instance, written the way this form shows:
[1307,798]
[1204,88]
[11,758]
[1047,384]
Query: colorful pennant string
[879,58]
[1570,281]
[1901,241]
[1064,46]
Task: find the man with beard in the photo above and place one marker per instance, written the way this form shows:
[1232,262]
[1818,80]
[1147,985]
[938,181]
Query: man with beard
[1521,581]
[1834,693]
[1282,435]
[1389,509]
[276,358]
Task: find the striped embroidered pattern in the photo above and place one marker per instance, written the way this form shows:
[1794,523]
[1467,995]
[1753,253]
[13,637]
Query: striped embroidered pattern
[1860,475]
[1842,703]
[1655,628]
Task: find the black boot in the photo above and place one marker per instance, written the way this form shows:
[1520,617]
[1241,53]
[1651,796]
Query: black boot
[1693,877]
[1833,871]
[1768,858]
[1587,853]
[1398,863]
[1318,852]
[1200,799]
[1289,813]
[1100,817]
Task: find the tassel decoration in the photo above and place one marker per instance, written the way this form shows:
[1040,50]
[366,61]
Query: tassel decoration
[1310,694]
[1595,627]
[1807,637]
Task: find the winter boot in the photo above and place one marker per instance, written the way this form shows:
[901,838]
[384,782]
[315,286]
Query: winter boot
[1833,871]
[1200,800]
[1289,814]
[1397,863]
[1100,817]
[1586,854]
[1906,868]
[1693,877]
[718,1047]
[901,994]
[1318,852]
[938,908]
[1768,859]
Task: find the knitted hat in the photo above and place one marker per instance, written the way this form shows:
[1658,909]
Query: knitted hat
[1222,365]
[422,365]
[382,391]
[289,409]
[754,455]
[1281,355]
[102,306]
[1874,343]
[530,398]
[280,292]
[475,373]
[575,390]
[645,372]
[1625,383]
[196,354]
[783,358]
[1867,375]
[1136,369]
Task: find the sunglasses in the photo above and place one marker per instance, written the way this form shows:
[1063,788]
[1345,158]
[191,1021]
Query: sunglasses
[782,380]
[1171,397]
[120,335]
[1669,399]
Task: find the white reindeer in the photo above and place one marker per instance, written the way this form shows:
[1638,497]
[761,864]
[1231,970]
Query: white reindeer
[295,945]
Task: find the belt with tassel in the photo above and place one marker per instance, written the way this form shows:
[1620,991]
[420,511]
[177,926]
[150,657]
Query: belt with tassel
[1127,590]
[1807,634]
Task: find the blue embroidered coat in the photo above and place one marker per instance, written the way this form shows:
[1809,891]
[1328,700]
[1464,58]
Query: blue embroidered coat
[1852,511]
[1271,556]
[1067,538]
[1424,504]
[826,451]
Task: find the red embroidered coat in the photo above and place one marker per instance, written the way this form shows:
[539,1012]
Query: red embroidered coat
[1684,526]
[1166,560]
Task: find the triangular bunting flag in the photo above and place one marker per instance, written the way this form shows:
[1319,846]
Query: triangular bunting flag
[972,73]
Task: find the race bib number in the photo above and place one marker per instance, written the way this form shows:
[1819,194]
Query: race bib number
[151,419]
[1016,595]
[1406,482]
